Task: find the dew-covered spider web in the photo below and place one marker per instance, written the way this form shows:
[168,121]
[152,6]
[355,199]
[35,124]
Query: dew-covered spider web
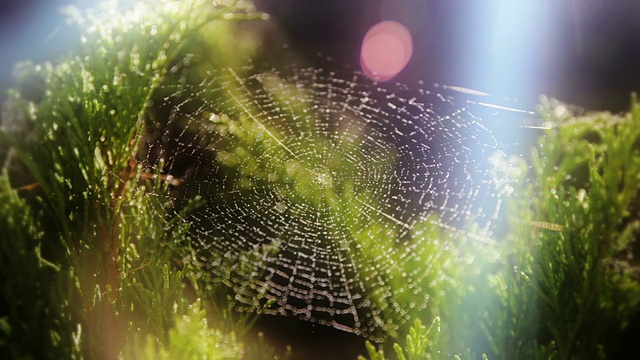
[331,199]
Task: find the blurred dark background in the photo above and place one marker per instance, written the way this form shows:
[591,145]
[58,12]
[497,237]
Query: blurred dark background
[582,52]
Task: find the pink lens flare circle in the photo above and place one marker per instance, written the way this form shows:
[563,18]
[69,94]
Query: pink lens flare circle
[386,50]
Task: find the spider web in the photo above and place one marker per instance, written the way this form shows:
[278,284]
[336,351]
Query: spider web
[331,199]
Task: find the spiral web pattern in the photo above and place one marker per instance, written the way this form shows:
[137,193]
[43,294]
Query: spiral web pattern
[329,199]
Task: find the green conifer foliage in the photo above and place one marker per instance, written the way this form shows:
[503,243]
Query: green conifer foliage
[86,269]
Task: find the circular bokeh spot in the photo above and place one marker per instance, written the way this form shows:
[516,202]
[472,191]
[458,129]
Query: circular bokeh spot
[386,50]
